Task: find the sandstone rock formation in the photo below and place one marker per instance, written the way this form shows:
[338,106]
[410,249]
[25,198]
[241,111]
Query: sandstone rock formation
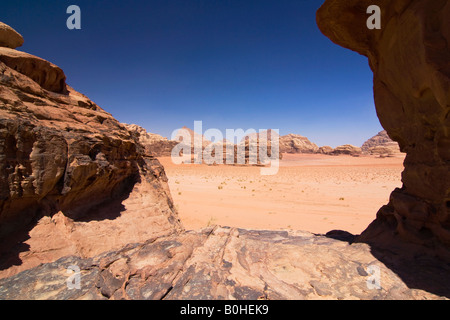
[381,144]
[195,138]
[229,153]
[257,144]
[325,150]
[159,146]
[9,37]
[294,143]
[72,178]
[154,144]
[44,73]
[192,143]
[409,57]
[246,152]
[347,149]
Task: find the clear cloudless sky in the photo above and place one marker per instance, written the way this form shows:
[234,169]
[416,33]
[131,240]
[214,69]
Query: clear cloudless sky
[163,64]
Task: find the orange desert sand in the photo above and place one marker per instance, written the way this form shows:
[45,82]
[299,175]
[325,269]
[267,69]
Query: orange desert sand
[311,192]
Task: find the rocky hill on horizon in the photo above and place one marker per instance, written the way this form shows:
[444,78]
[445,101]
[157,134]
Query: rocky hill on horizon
[381,144]
[154,144]
[295,143]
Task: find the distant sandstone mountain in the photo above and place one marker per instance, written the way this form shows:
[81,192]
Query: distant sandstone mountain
[194,136]
[153,143]
[381,144]
[232,153]
[159,146]
[294,143]
[252,143]
[347,149]
[291,143]
[325,150]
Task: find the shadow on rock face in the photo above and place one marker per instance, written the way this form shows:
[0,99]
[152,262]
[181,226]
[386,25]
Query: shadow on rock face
[418,271]
[11,249]
[111,209]
[14,246]
[341,235]
[417,267]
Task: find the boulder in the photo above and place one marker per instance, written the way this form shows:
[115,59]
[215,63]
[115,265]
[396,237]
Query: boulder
[9,37]
[49,76]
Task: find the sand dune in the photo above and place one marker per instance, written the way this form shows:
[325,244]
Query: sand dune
[311,192]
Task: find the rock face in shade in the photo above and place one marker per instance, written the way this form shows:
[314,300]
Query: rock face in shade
[9,37]
[72,178]
[294,143]
[381,144]
[409,57]
[154,144]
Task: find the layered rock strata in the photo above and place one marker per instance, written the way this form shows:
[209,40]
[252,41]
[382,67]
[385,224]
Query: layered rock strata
[381,144]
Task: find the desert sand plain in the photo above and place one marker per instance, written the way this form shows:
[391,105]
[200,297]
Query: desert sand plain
[311,192]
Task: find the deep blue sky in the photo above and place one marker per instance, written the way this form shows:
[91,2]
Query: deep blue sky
[232,63]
